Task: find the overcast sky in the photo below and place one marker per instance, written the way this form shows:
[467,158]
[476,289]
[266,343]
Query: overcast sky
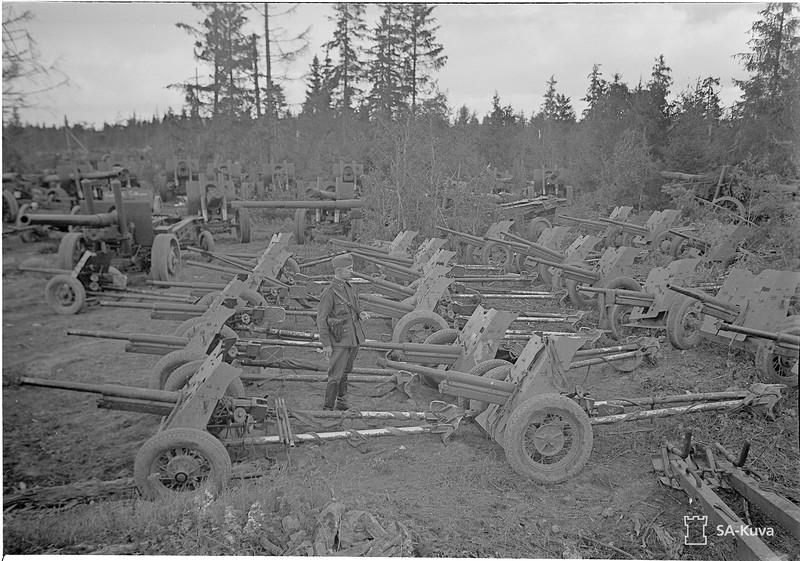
[121,56]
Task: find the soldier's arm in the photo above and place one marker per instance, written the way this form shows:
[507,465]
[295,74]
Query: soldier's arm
[323,311]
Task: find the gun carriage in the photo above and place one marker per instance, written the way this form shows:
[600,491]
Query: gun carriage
[655,232]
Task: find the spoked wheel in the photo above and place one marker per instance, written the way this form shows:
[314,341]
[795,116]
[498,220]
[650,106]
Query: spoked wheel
[243,224]
[494,369]
[206,243]
[775,368]
[618,316]
[181,460]
[70,250]
[497,255]
[302,229]
[684,318]
[416,326]
[548,439]
[662,243]
[165,258]
[65,294]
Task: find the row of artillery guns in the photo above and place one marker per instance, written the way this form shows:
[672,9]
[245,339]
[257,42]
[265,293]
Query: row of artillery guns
[530,407]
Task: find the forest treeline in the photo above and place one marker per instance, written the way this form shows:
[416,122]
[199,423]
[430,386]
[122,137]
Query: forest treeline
[372,97]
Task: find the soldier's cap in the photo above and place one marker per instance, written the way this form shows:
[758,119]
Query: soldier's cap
[344,260]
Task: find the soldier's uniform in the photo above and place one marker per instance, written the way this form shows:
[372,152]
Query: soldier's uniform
[339,301]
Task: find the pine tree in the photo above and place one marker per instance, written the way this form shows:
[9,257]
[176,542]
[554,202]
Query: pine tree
[549,106]
[318,98]
[564,113]
[351,30]
[424,54]
[385,67]
[771,96]
[597,88]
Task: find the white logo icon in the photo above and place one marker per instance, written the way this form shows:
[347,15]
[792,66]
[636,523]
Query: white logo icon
[695,530]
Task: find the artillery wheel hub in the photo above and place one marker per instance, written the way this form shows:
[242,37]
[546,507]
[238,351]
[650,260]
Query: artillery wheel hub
[549,439]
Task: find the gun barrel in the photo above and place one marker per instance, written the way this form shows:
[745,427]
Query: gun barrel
[785,338]
[476,382]
[110,390]
[388,285]
[386,304]
[343,204]
[158,307]
[88,220]
[469,237]
[391,266]
[319,194]
[704,298]
[169,340]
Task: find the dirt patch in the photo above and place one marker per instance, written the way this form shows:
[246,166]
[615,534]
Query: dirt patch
[459,499]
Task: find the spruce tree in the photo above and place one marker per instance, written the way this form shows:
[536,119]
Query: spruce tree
[350,32]
[424,54]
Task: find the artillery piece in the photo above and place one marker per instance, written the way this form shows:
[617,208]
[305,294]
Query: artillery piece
[647,307]
[588,225]
[336,212]
[211,199]
[126,234]
[399,246]
[179,171]
[757,307]
[534,212]
[720,247]
[543,425]
[655,232]
[478,245]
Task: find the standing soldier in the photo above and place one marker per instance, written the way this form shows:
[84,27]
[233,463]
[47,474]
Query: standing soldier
[339,319]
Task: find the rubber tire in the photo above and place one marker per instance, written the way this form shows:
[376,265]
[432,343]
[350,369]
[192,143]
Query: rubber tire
[206,242]
[677,247]
[175,439]
[181,376]
[165,258]
[507,261]
[769,365]
[544,274]
[70,250]
[54,292]
[662,243]
[168,363]
[301,229]
[621,283]
[516,429]
[414,318]
[577,298]
[10,207]
[491,369]
[536,226]
[441,337]
[617,316]
[244,225]
[675,322]
[469,255]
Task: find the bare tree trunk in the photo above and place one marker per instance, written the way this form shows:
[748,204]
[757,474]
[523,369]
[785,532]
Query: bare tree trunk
[255,78]
[268,66]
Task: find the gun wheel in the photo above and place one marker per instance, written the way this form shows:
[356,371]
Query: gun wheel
[663,242]
[65,294]
[684,318]
[165,258]
[469,255]
[548,439]
[170,362]
[206,243]
[416,326]
[776,368]
[70,250]
[578,298]
[441,337]
[181,460]
[497,255]
[302,229]
[536,226]
[618,316]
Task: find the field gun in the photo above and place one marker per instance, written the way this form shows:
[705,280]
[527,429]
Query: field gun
[767,303]
[400,245]
[476,246]
[720,247]
[623,309]
[534,212]
[655,232]
[543,424]
[592,226]
[337,216]
[126,236]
